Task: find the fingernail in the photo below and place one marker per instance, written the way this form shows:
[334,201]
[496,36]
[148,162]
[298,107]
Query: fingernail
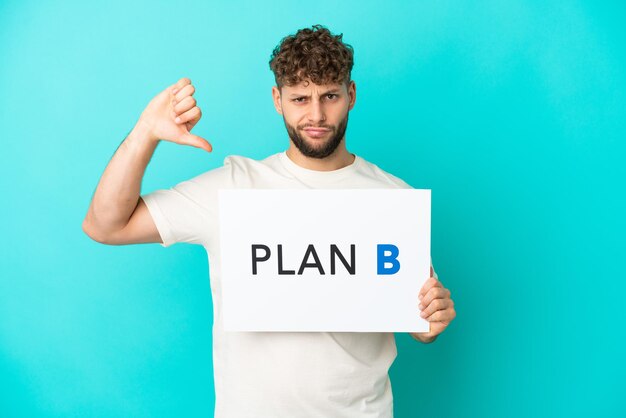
[421,306]
[177,120]
[423,314]
[420,297]
[174,91]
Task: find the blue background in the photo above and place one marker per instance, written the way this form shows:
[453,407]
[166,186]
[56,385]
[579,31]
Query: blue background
[512,112]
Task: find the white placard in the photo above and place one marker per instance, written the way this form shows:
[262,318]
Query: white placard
[272,281]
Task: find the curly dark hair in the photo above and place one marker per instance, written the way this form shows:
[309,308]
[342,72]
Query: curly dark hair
[314,54]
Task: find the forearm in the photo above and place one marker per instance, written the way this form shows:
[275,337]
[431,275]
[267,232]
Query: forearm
[118,190]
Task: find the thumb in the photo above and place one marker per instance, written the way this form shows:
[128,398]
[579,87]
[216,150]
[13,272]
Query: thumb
[196,141]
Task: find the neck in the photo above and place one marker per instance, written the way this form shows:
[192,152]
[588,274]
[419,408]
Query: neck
[340,158]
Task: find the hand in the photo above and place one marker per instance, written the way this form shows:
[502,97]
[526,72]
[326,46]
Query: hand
[437,308]
[174,102]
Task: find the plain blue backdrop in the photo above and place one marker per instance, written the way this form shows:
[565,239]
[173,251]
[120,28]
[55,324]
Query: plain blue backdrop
[512,112]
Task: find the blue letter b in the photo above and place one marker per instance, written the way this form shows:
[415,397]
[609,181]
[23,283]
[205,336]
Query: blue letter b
[391,258]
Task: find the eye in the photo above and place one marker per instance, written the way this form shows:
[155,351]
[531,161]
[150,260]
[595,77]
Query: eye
[298,99]
[331,94]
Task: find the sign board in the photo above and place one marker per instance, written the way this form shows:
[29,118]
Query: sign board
[336,260]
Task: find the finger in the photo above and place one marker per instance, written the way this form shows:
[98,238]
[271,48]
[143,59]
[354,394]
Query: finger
[193,113]
[187,90]
[433,294]
[179,85]
[196,141]
[436,305]
[186,104]
[445,315]
[427,286]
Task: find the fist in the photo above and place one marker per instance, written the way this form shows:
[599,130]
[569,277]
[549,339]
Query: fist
[172,114]
[437,308]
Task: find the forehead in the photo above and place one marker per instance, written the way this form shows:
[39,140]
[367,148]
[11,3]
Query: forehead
[307,86]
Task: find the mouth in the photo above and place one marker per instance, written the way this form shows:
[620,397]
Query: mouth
[316,132]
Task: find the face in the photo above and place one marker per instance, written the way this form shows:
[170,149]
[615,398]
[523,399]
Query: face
[316,116]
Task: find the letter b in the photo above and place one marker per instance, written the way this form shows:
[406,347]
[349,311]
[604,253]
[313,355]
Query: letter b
[391,258]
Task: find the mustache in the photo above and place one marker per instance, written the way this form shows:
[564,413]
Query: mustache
[320,127]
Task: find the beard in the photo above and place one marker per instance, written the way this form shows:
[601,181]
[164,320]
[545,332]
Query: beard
[322,150]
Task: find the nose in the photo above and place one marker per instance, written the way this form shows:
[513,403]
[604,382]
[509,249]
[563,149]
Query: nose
[316,112]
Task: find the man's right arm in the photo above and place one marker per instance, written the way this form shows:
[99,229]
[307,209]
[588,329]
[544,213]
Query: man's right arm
[117,215]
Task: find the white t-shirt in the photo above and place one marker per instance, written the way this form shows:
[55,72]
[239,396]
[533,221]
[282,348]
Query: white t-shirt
[280,374]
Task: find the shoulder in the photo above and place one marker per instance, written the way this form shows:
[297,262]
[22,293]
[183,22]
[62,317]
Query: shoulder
[242,163]
[233,166]
[241,167]
[375,172]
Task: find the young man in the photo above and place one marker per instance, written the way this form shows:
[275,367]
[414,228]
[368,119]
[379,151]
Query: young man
[267,374]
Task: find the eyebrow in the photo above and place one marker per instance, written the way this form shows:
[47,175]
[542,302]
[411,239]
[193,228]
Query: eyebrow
[292,95]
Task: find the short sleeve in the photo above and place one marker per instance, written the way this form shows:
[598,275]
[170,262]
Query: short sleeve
[187,212]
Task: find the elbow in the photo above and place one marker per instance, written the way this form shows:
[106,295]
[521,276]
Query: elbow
[93,233]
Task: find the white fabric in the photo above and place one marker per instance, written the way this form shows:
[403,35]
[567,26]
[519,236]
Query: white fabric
[275,374]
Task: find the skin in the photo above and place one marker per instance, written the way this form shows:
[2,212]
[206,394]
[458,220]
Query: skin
[117,215]
[310,105]
[436,306]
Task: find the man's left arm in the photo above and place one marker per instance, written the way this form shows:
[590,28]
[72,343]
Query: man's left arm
[437,308]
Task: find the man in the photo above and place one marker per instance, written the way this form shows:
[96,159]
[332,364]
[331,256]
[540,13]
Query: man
[267,374]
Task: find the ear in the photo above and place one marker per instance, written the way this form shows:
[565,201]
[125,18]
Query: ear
[352,94]
[276,97]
